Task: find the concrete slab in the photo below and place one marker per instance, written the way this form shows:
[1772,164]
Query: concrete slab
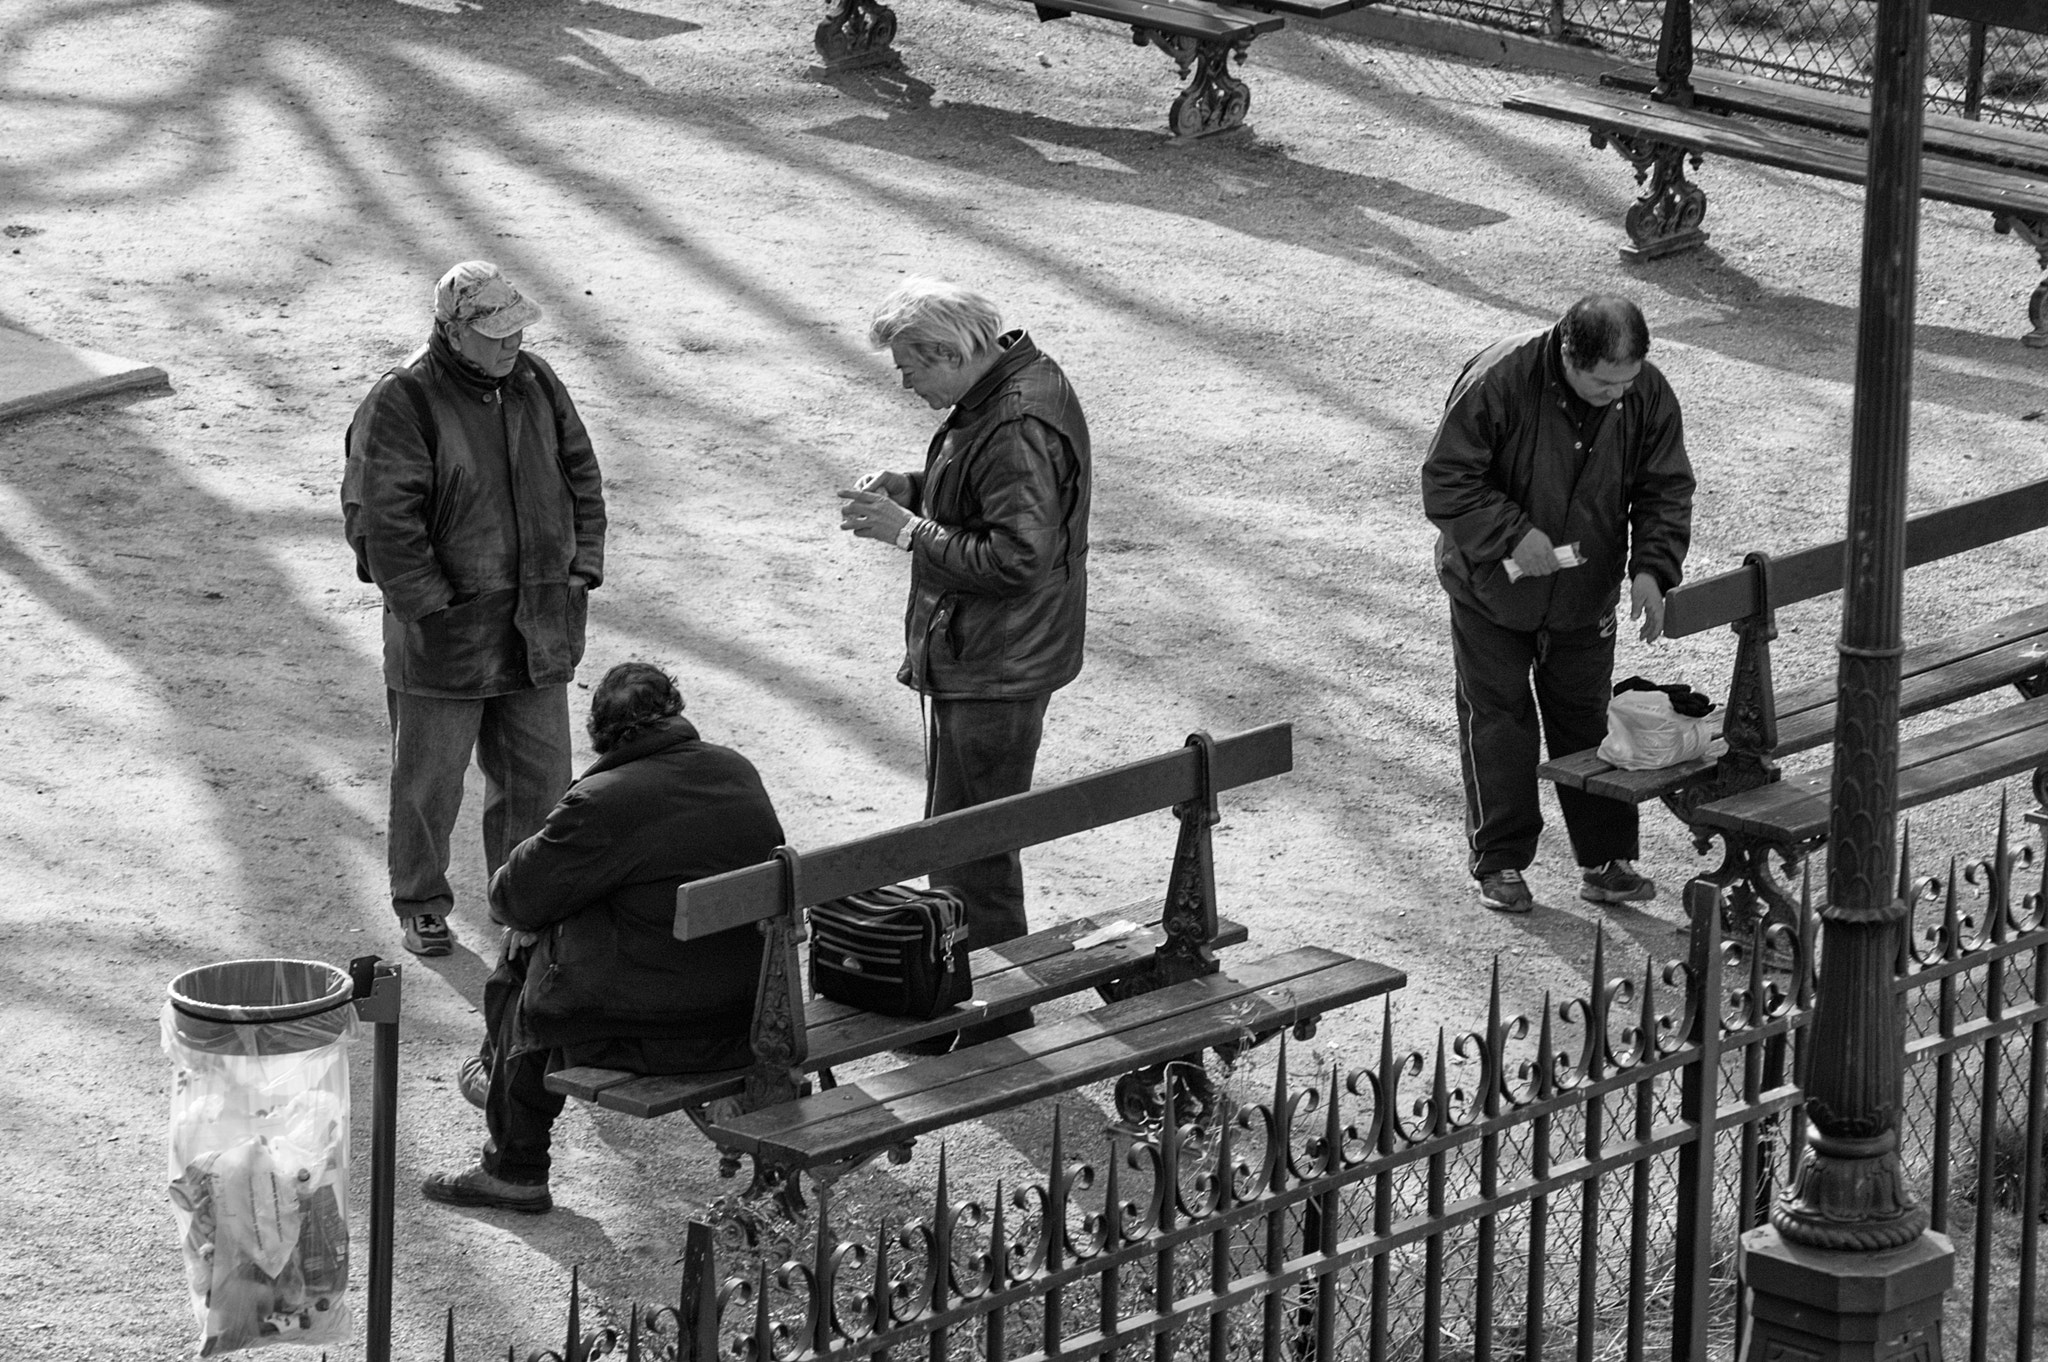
[38,375]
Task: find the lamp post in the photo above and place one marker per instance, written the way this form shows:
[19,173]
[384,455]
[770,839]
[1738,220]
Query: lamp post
[1847,1268]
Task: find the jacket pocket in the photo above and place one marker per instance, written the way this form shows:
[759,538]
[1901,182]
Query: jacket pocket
[459,648]
[577,620]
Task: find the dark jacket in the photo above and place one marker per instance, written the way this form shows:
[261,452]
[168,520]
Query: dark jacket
[598,883]
[999,579]
[1504,460]
[470,502]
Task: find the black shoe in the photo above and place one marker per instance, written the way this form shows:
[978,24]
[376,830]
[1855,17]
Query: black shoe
[428,934]
[474,1187]
[941,1044]
[1505,891]
[1617,882]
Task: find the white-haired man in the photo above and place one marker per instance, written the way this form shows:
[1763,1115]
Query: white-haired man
[996,526]
[473,500]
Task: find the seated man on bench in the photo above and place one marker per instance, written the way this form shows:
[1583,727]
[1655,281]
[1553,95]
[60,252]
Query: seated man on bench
[593,973]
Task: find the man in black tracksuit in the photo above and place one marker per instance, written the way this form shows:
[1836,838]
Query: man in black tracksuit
[1558,472]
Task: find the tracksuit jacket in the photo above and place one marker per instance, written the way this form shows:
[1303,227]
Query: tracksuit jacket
[1505,459]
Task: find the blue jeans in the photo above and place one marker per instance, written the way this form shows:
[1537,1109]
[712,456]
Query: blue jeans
[521,742]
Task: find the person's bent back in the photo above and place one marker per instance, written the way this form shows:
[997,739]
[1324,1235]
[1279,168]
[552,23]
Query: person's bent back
[600,978]
[598,884]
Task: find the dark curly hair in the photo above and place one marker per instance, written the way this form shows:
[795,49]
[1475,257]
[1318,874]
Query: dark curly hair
[632,696]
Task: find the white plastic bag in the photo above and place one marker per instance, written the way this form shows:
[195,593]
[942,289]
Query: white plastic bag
[1644,733]
[259,1174]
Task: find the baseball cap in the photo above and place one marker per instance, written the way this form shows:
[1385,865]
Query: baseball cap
[478,293]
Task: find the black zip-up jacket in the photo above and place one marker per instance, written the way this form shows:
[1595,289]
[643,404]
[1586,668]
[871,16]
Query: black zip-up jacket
[1505,459]
[598,884]
[999,577]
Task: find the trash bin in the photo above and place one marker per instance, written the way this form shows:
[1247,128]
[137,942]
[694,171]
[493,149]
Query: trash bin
[259,1149]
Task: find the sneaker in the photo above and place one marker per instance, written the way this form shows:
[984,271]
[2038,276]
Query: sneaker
[428,934]
[475,1187]
[474,1081]
[1505,891]
[1617,882]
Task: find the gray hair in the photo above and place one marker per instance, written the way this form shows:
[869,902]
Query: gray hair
[936,319]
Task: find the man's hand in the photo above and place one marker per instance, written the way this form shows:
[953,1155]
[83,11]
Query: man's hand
[872,513]
[895,486]
[1646,603]
[1535,555]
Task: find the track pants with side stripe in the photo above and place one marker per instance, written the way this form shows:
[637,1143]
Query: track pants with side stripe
[1498,736]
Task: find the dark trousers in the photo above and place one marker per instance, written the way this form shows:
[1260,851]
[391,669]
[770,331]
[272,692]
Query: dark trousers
[521,743]
[1573,671]
[519,1111]
[983,750]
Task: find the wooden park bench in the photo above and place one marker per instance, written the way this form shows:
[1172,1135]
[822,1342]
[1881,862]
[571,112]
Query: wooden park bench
[1739,794]
[1659,118]
[1166,996]
[1202,36]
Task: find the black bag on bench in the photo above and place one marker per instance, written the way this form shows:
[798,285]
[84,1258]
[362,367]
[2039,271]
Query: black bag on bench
[894,950]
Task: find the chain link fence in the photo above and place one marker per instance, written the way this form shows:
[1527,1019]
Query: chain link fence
[1980,71]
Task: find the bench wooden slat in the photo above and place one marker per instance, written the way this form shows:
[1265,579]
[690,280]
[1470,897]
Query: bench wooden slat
[1043,815]
[1589,772]
[1190,18]
[2031,15]
[838,1033]
[1849,115]
[854,1119]
[1932,675]
[1948,179]
[1009,977]
[1726,597]
[1307,9]
[1960,757]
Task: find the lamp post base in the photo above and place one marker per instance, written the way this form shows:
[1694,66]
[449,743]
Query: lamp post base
[1827,1305]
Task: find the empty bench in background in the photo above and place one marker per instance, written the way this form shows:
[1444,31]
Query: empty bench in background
[1660,118]
[1739,794]
[1204,37]
[1167,997]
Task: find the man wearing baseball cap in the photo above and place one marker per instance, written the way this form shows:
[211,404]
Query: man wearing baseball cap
[473,501]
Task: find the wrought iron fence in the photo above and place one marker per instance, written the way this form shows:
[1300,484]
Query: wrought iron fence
[1973,69]
[1572,1185]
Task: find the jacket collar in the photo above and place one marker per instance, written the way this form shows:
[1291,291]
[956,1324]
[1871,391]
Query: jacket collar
[659,736]
[467,376]
[1018,351]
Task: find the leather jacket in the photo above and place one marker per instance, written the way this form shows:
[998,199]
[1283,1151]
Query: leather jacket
[471,502]
[998,605]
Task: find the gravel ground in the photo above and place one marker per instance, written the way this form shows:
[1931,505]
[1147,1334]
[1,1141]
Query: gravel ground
[258,197]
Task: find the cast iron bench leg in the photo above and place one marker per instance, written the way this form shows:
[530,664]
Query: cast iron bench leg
[1667,217]
[856,33]
[2033,231]
[1214,101]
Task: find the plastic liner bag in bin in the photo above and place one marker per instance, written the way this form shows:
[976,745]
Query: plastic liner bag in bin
[259,1149]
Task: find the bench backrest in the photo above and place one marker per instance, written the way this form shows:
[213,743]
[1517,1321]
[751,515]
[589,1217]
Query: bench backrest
[2029,15]
[1801,576]
[758,893]
[1674,49]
